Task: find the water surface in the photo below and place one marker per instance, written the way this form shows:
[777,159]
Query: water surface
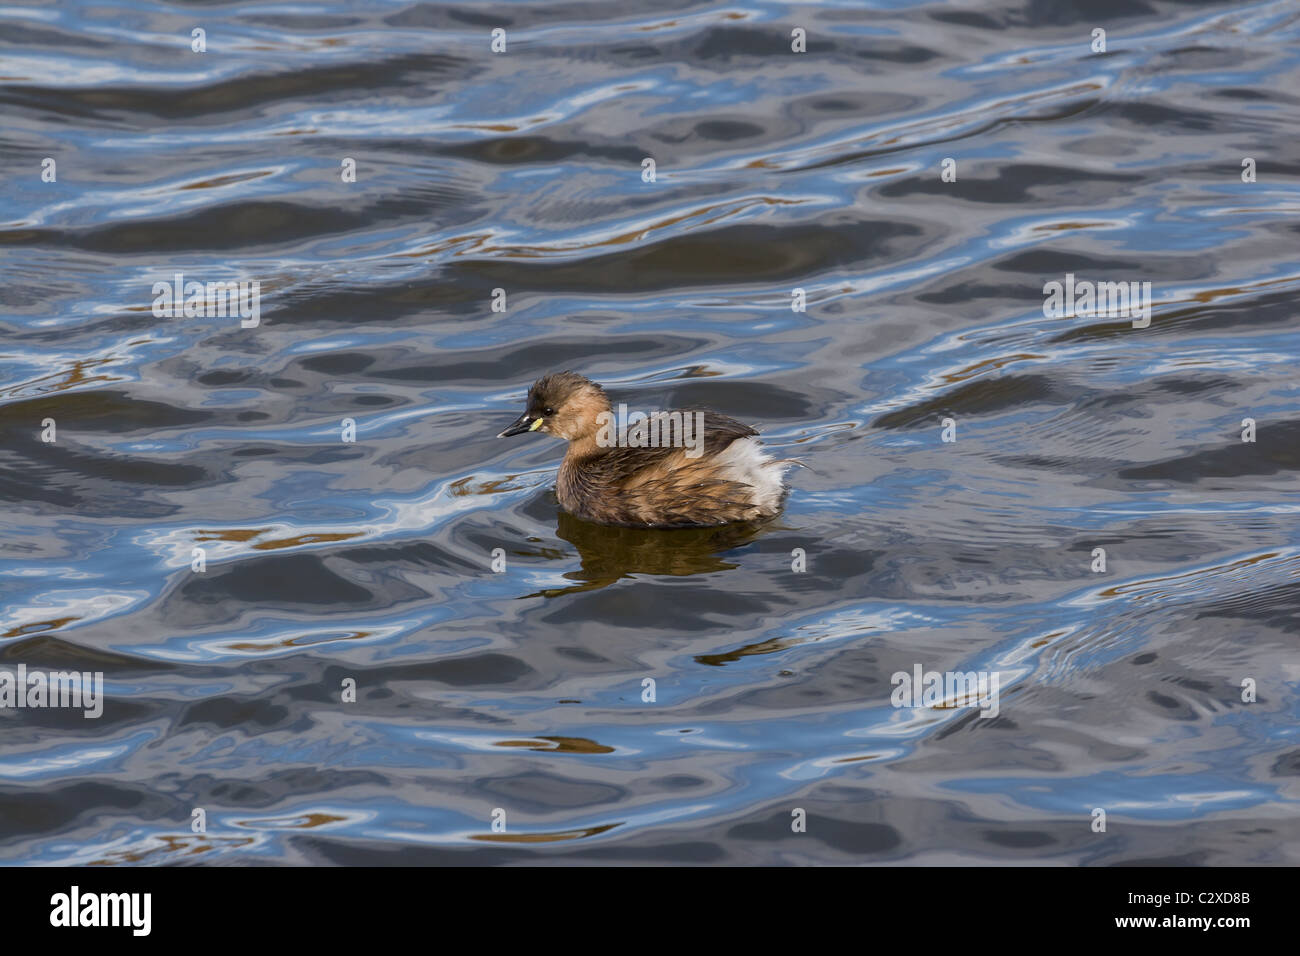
[371,560]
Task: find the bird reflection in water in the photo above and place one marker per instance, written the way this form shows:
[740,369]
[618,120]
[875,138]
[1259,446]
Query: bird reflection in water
[610,553]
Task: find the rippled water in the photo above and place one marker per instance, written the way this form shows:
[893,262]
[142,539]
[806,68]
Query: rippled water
[522,691]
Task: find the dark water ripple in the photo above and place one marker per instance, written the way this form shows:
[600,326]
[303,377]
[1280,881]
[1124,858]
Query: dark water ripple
[370,561]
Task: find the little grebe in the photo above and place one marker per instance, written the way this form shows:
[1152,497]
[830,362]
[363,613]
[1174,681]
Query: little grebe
[706,470]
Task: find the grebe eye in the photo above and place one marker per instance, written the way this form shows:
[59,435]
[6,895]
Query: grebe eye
[548,412]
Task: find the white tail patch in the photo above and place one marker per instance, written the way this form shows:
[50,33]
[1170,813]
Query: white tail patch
[745,461]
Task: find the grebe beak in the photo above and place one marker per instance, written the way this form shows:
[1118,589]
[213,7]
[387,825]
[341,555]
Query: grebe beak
[522,424]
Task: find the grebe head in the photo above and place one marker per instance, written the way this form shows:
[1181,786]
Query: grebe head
[563,404]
